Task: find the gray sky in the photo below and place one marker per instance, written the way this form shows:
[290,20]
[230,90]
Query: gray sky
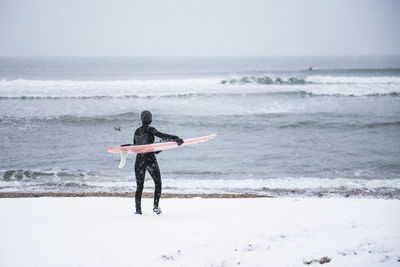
[199,28]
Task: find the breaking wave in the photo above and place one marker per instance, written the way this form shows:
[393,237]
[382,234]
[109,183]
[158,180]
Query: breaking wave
[295,93]
[313,79]
[201,87]
[264,80]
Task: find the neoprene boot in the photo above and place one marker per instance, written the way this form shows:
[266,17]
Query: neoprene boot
[138,211]
[157,210]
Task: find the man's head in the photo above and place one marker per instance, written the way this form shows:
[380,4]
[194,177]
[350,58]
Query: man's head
[146,117]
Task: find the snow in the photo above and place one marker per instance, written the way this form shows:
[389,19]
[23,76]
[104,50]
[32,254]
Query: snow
[199,232]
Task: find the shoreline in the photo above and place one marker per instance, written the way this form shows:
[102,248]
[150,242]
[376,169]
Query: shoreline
[394,193]
[126,194]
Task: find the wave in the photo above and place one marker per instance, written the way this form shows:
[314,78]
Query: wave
[357,71]
[24,83]
[319,124]
[106,88]
[313,79]
[101,83]
[77,120]
[383,124]
[151,83]
[265,80]
[80,182]
[182,95]
[32,175]
[297,93]
[116,120]
[202,87]
[353,79]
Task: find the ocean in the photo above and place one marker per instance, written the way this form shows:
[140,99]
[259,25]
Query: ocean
[285,126]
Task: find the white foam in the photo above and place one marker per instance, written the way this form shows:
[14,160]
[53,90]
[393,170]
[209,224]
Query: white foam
[327,85]
[353,79]
[107,83]
[254,185]
[113,88]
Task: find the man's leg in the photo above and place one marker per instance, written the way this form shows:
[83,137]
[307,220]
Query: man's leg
[154,171]
[140,172]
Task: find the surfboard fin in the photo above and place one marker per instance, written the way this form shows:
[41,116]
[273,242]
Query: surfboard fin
[124,156]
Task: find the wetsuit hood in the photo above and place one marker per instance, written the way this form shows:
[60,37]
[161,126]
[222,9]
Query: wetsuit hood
[146,117]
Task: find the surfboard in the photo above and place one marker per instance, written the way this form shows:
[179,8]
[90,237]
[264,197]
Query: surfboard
[125,150]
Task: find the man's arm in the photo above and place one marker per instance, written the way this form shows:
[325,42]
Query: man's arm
[167,137]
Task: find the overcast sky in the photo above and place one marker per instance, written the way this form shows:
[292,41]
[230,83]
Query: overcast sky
[199,28]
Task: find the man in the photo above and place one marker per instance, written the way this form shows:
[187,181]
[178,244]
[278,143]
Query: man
[144,135]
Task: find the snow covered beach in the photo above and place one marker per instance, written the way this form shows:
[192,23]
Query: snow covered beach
[200,232]
[323,142]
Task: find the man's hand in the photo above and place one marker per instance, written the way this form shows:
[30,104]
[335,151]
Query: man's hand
[127,145]
[179,141]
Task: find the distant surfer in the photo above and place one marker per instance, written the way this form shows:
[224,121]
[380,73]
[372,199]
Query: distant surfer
[310,69]
[144,135]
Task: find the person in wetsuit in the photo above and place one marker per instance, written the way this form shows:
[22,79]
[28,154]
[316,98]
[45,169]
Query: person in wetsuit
[144,135]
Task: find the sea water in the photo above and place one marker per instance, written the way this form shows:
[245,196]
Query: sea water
[282,126]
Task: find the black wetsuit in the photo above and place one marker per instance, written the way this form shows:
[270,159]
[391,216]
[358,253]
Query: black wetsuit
[147,161]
